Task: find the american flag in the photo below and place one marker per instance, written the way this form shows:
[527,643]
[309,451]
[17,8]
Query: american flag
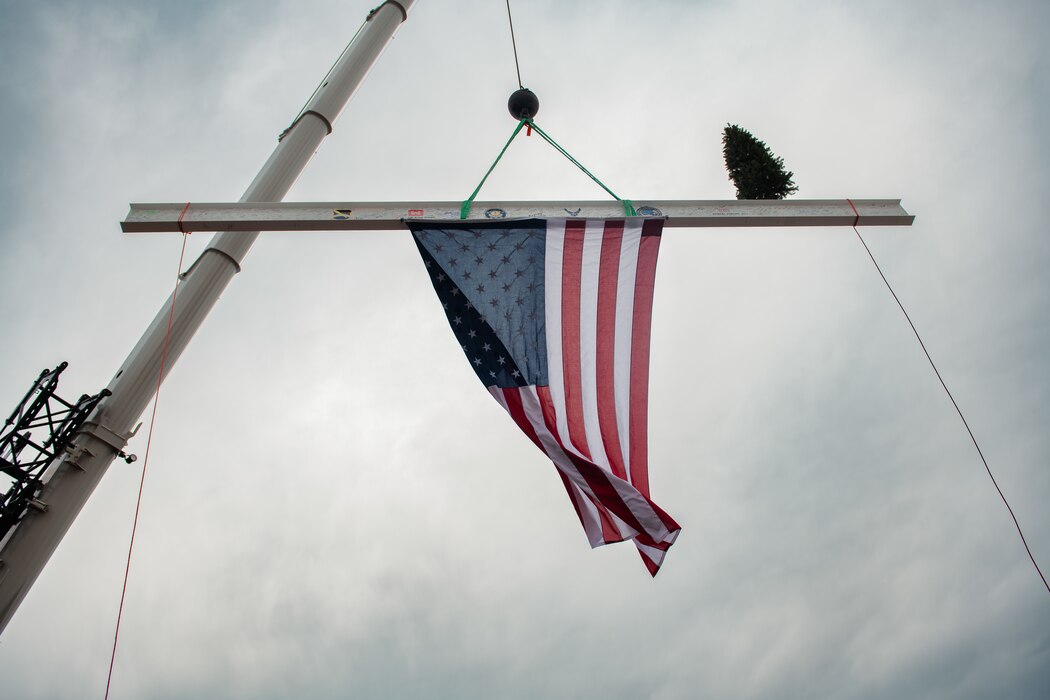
[554,317]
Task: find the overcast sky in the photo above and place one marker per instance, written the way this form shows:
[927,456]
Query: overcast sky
[334,505]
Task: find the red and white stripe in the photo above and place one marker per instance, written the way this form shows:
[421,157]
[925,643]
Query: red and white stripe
[591,419]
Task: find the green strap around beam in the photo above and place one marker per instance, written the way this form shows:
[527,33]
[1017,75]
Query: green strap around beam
[464,210]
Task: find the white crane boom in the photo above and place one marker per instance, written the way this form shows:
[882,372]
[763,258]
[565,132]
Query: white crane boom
[73,477]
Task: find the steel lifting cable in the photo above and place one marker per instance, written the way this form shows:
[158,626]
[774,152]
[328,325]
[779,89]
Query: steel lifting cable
[145,459]
[525,120]
[958,410]
[514,44]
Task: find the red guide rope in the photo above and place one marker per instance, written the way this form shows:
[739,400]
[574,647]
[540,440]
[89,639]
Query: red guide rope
[145,459]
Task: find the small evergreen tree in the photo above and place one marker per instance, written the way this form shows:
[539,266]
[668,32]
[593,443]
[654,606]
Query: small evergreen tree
[755,171]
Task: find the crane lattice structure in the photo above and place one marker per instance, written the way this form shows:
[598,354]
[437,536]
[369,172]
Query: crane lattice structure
[38,431]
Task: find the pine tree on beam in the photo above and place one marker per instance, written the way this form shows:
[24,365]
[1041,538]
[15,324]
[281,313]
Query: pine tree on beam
[754,170]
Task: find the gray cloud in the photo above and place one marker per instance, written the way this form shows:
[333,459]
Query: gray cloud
[334,508]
